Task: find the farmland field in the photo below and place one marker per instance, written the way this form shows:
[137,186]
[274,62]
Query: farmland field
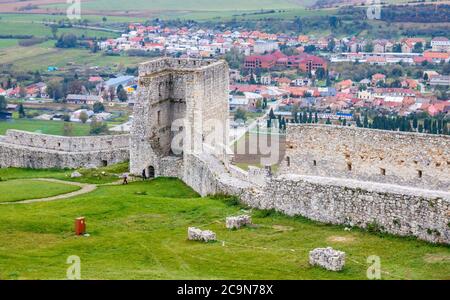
[139,231]
[6,43]
[39,57]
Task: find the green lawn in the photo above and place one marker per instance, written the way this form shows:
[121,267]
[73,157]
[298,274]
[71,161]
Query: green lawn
[139,231]
[16,190]
[6,43]
[45,127]
[101,175]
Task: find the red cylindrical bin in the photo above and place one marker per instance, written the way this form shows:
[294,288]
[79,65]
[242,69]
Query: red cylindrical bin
[80,226]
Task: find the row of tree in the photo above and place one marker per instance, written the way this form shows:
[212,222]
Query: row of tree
[405,124]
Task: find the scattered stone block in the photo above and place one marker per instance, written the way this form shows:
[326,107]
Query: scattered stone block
[238,222]
[327,258]
[76,175]
[195,234]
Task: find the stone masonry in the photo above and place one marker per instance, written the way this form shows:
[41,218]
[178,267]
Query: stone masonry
[181,102]
[327,258]
[195,234]
[409,159]
[39,151]
[238,222]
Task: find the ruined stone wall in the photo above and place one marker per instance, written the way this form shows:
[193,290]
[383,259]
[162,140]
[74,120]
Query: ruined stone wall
[39,151]
[417,160]
[177,98]
[398,210]
[64,143]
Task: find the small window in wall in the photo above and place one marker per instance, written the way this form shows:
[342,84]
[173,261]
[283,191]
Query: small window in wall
[315,163]
[104,163]
[288,161]
[59,144]
[159,117]
[383,171]
[419,173]
[349,166]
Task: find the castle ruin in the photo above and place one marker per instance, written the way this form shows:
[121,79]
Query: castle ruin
[394,181]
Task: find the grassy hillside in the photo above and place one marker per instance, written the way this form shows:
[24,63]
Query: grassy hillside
[139,231]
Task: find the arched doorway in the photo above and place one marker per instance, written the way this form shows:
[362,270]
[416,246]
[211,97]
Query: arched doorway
[151,172]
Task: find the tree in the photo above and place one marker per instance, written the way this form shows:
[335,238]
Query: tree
[320,73]
[98,107]
[21,111]
[271,114]
[368,47]
[333,21]
[98,127]
[415,122]
[3,103]
[418,47]
[122,95]
[298,24]
[75,87]
[22,92]
[366,121]
[84,117]
[396,72]
[331,45]
[67,41]
[397,48]
[68,129]
[54,90]
[54,29]
[240,114]
[112,93]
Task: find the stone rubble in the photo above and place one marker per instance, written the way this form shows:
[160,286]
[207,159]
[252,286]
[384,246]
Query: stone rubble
[195,234]
[238,222]
[76,175]
[327,258]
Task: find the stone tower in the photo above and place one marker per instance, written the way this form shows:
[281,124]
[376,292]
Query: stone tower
[181,108]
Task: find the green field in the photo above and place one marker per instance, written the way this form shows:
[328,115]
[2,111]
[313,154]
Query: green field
[6,43]
[39,57]
[16,190]
[104,175]
[8,26]
[45,127]
[139,231]
[191,5]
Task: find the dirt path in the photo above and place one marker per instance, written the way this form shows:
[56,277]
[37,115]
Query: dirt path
[85,188]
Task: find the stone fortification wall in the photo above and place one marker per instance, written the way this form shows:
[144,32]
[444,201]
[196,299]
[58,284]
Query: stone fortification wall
[410,159]
[39,151]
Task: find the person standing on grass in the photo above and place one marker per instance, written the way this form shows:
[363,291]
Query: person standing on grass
[144,176]
[125,178]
